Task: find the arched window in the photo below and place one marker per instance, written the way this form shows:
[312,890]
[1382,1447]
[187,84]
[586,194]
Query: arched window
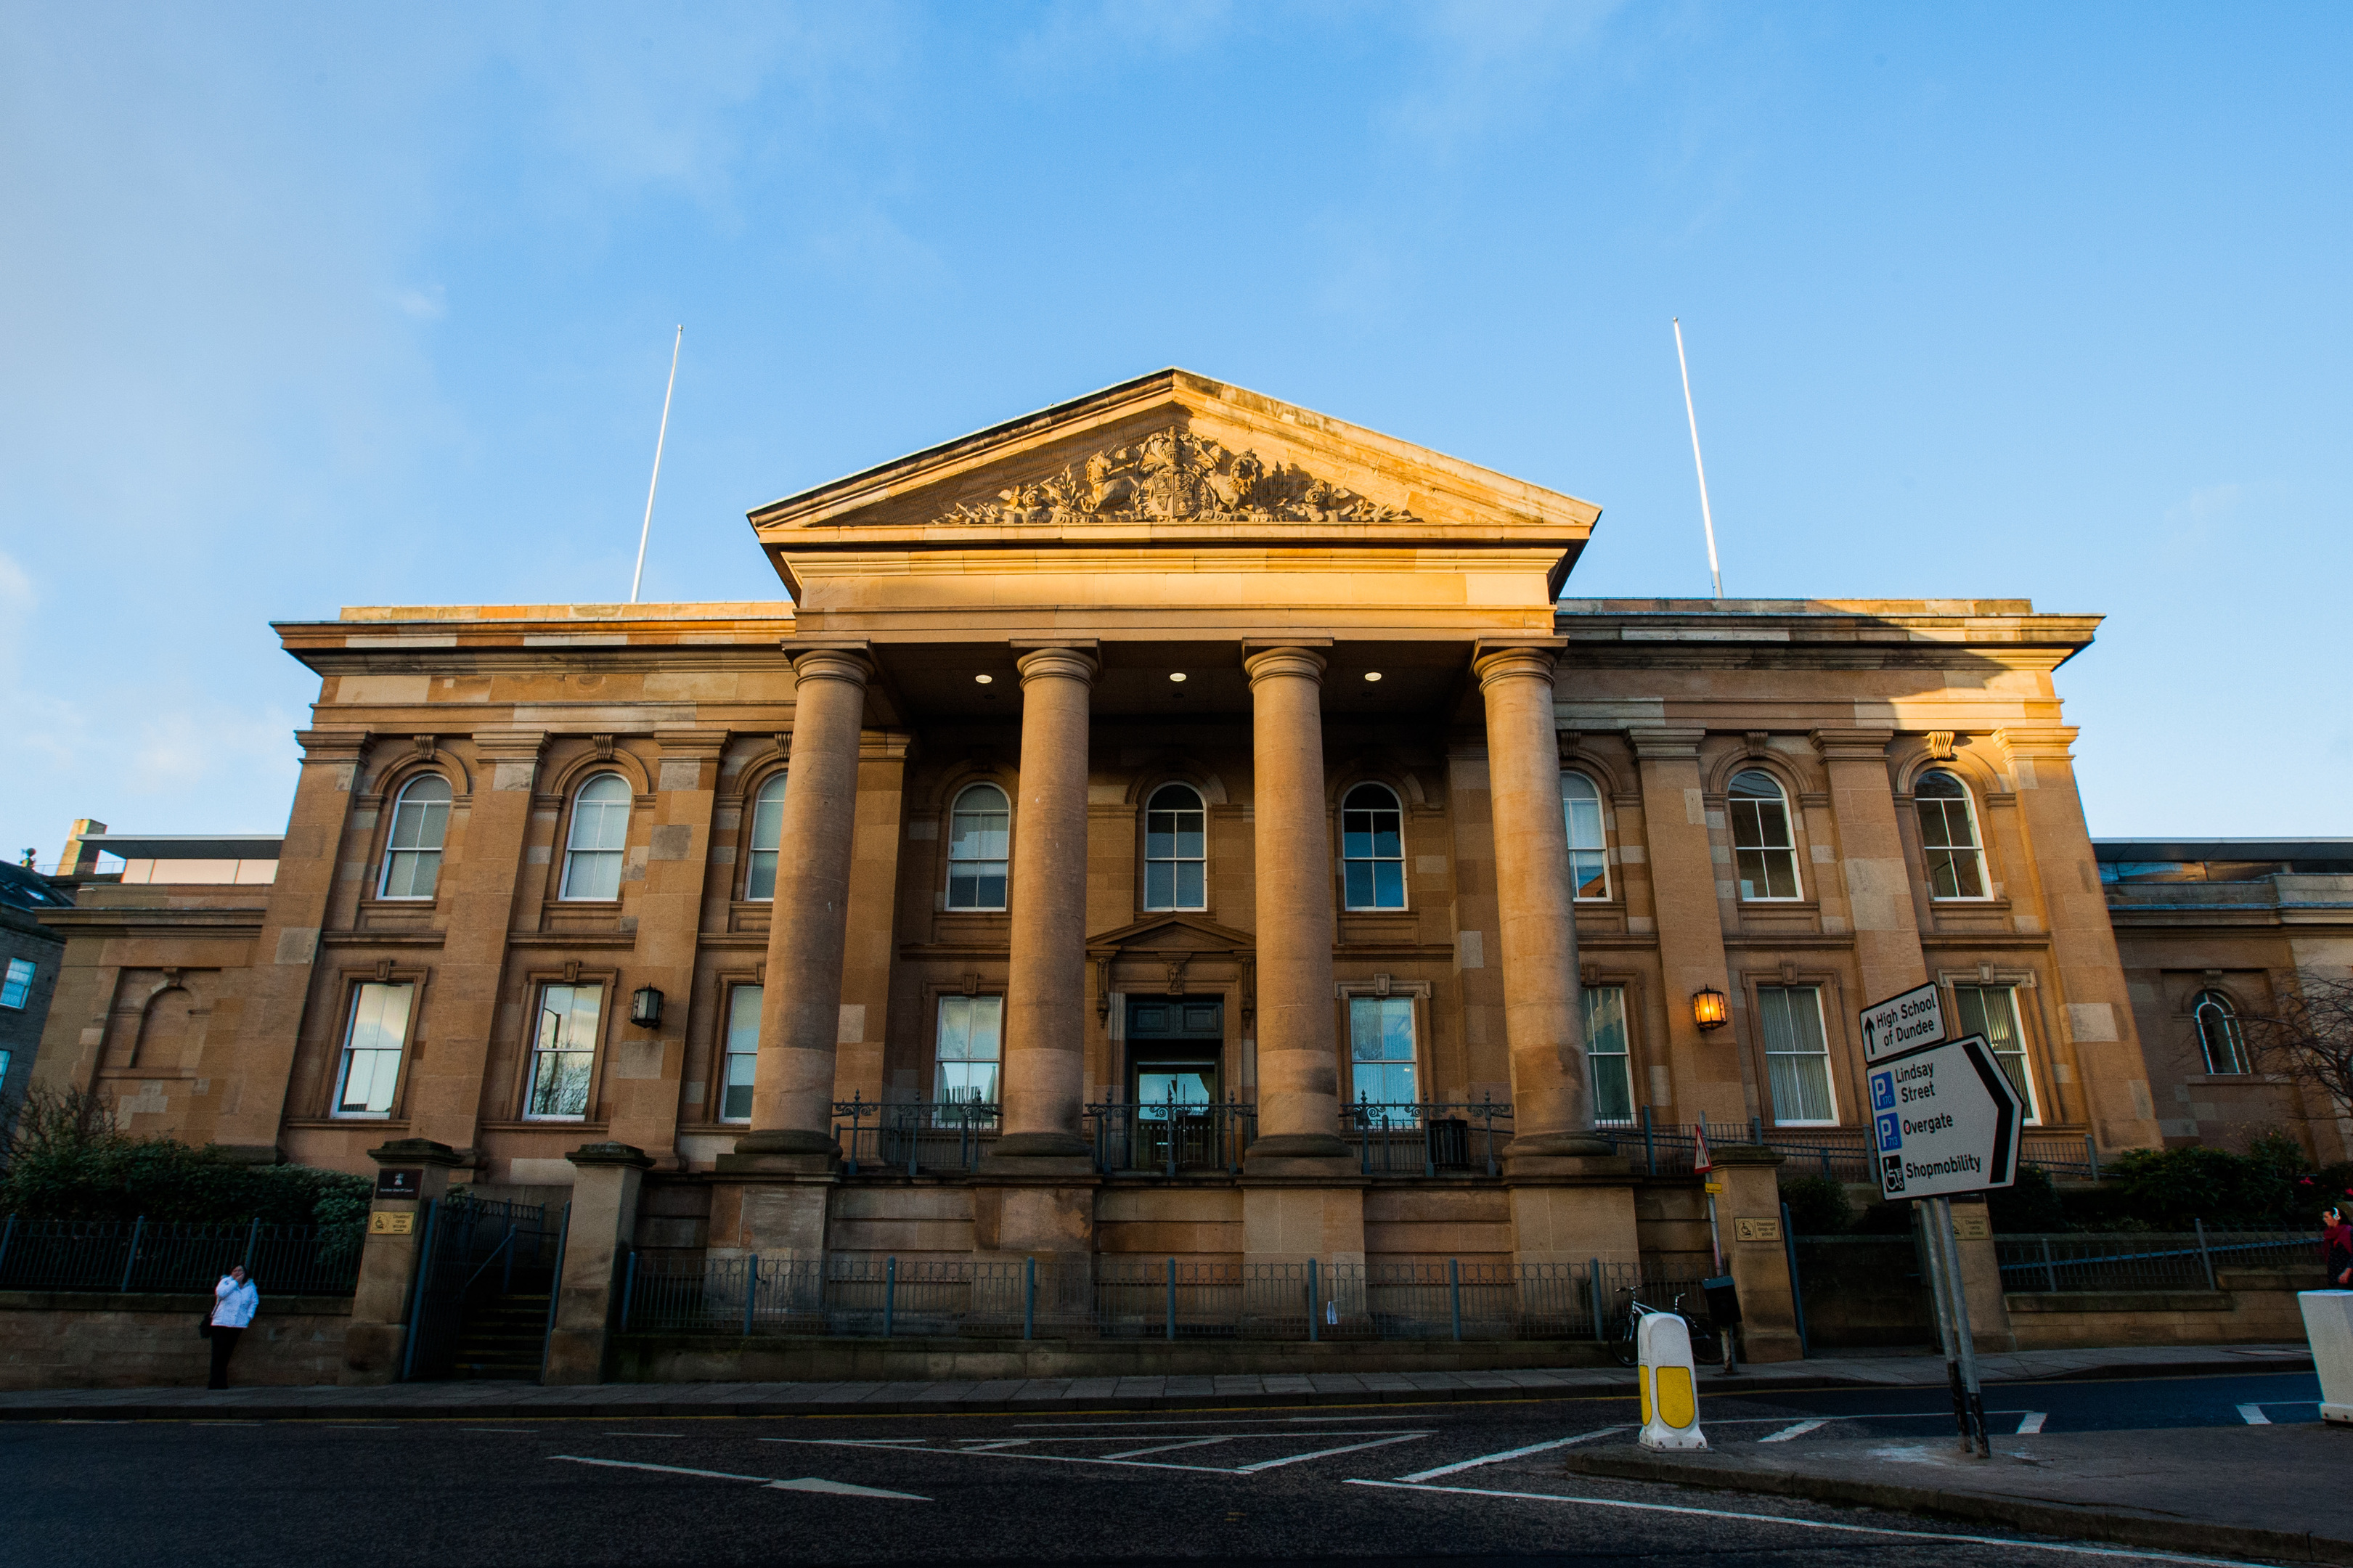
[1588,854]
[1761,838]
[1948,837]
[1176,849]
[600,836]
[979,830]
[1372,848]
[768,833]
[412,854]
[2218,1033]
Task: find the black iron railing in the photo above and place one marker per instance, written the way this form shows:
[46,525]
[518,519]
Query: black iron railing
[2148,1260]
[1172,1136]
[1427,1139]
[914,1136]
[1841,1153]
[144,1254]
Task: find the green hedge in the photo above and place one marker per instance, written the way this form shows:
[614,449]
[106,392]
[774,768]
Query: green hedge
[66,1161]
[2271,1187]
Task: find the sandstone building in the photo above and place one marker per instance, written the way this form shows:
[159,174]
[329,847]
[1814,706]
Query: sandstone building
[1221,795]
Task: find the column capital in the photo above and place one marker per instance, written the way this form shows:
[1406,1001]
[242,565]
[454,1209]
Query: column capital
[1654,741]
[1852,745]
[1058,663]
[1286,659]
[1507,662]
[849,666]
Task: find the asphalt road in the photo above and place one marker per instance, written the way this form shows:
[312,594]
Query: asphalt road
[1462,1483]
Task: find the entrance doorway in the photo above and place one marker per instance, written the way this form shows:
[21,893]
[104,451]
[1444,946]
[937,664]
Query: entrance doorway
[1176,1059]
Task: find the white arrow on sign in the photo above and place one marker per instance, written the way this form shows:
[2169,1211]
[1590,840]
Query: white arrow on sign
[1902,1023]
[1945,1120]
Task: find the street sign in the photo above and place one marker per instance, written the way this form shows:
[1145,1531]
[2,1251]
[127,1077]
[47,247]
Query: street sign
[1945,1118]
[399,1181]
[1902,1023]
[1702,1160]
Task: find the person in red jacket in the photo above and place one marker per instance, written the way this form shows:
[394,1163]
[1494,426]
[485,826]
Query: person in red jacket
[2337,1246]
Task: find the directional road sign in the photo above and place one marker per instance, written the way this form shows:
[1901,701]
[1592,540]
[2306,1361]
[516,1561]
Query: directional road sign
[1901,1023]
[1946,1121]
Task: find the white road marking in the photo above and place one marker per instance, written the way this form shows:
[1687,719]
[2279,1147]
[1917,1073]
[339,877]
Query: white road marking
[642,1434]
[2253,1414]
[2032,1422]
[804,1484]
[1004,1453]
[1509,1454]
[1822,1524]
[839,1488]
[981,1445]
[1206,1421]
[1165,1448]
[1800,1431]
[1326,1453]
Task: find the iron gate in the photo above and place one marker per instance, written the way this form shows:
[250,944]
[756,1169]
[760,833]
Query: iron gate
[476,1250]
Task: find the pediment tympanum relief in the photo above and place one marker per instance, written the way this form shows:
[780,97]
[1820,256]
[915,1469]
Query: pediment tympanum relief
[1174,473]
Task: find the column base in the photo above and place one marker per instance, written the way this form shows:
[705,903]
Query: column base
[1574,1218]
[781,1150]
[1299,1146]
[1288,1223]
[1042,1165]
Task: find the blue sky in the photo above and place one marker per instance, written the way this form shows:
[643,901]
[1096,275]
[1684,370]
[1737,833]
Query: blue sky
[322,306]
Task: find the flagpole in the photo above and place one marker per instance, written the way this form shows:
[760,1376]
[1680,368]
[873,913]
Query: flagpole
[1706,519]
[638,576]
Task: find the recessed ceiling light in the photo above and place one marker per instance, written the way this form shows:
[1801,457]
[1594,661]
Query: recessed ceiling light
[983,679]
[1178,675]
[1372,675]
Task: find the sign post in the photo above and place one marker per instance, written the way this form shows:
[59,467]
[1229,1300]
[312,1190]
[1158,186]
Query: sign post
[1945,1122]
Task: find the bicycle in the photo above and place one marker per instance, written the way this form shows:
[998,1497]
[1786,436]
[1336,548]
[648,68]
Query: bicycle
[1708,1343]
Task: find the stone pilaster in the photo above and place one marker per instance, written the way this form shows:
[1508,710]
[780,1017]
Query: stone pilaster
[1298,1069]
[1758,1260]
[642,1086]
[479,870]
[1683,876]
[1551,1097]
[1877,872]
[2094,1008]
[266,1003]
[1044,1086]
[800,1014]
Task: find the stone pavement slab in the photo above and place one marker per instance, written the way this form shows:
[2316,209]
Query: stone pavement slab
[1231,1390]
[2274,1491]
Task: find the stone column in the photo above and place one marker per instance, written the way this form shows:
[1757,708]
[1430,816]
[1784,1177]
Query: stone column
[2093,1005]
[800,1011]
[1551,1098]
[1871,851]
[1044,1086]
[1298,1067]
[377,1335]
[596,1246]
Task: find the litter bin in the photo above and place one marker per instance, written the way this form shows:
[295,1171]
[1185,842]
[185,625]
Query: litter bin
[1723,1301]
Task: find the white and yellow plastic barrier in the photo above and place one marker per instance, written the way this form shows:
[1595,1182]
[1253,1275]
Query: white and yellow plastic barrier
[1670,1384]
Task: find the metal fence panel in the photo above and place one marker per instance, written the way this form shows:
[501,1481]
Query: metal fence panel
[2146,1260]
[141,1255]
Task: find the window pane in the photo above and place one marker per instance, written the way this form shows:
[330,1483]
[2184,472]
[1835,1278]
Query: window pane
[20,984]
[1589,871]
[1797,1055]
[565,1049]
[1160,884]
[767,833]
[1359,880]
[372,1051]
[1192,885]
[592,874]
[1606,1055]
[743,1053]
[969,1042]
[1388,885]
[1992,1011]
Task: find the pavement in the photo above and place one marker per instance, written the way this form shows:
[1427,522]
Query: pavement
[1237,1391]
[2260,1491]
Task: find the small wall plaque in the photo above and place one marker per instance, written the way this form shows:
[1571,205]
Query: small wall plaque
[1747,1228]
[382,1223]
[399,1181]
[1971,1227]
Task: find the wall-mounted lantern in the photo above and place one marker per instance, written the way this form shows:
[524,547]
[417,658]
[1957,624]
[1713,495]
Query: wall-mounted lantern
[645,1008]
[1709,1009]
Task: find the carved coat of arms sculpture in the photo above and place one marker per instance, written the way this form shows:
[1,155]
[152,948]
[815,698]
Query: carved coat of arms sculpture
[1174,474]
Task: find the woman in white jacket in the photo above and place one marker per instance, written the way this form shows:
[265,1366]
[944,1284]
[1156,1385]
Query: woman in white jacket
[235,1299]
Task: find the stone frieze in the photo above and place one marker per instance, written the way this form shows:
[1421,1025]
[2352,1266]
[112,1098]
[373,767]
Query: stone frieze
[1173,473]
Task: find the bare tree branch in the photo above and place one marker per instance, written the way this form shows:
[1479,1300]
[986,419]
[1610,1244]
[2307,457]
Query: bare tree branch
[2309,1039]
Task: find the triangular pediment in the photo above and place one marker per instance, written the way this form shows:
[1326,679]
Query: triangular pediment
[1169,464]
[1171,933]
